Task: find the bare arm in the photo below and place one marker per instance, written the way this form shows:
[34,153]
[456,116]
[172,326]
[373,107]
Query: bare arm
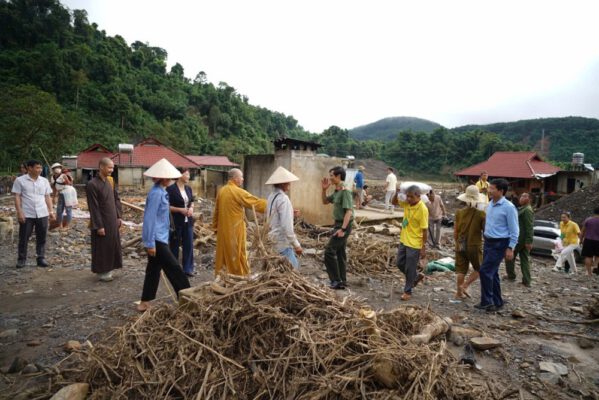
[19,207]
[424,239]
[345,224]
[325,183]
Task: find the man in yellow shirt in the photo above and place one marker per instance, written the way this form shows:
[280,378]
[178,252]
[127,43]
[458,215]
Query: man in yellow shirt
[228,221]
[412,240]
[483,185]
[570,241]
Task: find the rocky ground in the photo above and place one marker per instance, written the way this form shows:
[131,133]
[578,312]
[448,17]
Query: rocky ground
[545,346]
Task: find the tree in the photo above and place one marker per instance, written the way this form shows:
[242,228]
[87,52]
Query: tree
[30,120]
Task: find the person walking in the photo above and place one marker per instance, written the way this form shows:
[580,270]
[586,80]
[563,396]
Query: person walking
[436,213]
[570,239]
[589,236]
[105,212]
[359,182]
[335,256]
[155,235]
[180,197]
[412,239]
[390,189]
[526,219]
[501,236]
[33,203]
[279,213]
[468,234]
[229,223]
[60,181]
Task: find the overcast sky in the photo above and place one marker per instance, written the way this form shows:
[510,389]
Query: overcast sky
[349,63]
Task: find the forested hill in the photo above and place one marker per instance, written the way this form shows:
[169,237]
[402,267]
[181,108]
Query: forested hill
[387,129]
[563,136]
[67,84]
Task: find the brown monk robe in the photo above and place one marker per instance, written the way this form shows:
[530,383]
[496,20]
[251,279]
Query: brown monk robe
[105,219]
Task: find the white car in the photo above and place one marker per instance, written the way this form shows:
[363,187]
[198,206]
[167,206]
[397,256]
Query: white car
[546,235]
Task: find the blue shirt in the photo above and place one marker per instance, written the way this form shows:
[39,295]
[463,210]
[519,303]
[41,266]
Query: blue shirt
[502,221]
[156,218]
[359,179]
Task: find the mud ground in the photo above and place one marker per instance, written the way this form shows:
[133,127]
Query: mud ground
[41,309]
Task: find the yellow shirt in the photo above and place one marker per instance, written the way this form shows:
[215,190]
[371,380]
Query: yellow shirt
[415,219]
[483,187]
[570,233]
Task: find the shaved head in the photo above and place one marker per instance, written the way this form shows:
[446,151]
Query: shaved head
[105,162]
[234,173]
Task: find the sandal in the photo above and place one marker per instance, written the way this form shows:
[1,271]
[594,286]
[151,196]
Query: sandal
[143,306]
[406,296]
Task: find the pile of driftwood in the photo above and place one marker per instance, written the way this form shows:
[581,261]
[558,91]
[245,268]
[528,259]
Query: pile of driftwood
[274,336]
[369,255]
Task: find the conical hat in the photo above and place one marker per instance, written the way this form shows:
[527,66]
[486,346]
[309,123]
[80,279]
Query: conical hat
[471,196]
[163,169]
[281,175]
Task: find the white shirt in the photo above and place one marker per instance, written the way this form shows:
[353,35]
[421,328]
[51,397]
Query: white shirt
[280,216]
[33,195]
[391,182]
[185,199]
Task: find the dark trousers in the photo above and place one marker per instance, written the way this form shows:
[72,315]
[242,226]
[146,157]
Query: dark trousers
[25,231]
[490,288]
[184,237]
[407,262]
[510,266]
[335,257]
[164,260]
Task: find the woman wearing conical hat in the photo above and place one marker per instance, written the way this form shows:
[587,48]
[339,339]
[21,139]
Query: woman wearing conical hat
[279,212]
[155,235]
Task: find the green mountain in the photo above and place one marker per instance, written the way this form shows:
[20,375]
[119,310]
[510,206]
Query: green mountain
[387,129]
[562,136]
[66,84]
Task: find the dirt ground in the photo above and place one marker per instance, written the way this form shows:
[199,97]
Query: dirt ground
[41,309]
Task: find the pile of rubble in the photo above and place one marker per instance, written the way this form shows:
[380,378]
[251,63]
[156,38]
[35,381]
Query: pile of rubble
[580,204]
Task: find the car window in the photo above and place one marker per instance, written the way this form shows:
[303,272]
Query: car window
[545,234]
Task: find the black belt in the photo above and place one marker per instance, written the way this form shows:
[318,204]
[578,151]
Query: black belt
[488,239]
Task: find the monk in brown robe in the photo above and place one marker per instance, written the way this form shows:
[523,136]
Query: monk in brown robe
[230,227]
[105,220]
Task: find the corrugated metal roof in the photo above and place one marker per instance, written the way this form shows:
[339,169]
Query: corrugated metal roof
[511,164]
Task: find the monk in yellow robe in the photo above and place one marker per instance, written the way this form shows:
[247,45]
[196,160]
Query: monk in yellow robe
[229,223]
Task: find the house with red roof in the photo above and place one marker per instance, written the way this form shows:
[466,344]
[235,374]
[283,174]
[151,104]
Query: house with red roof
[525,170]
[131,161]
[87,161]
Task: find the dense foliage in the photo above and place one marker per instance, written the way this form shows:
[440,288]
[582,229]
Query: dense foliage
[563,136]
[386,129]
[66,84]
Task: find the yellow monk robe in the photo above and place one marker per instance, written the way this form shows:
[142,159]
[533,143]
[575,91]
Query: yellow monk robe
[229,222]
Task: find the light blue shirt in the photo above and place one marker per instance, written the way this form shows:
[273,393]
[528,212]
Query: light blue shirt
[156,218]
[502,221]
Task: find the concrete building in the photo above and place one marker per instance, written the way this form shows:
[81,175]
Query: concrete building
[577,175]
[301,159]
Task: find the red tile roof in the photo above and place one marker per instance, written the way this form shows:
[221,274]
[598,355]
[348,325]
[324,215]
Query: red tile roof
[213,161]
[148,152]
[511,164]
[90,157]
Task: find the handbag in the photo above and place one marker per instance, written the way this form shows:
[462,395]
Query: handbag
[462,243]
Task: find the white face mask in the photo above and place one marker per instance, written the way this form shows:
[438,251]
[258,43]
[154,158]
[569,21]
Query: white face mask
[57,170]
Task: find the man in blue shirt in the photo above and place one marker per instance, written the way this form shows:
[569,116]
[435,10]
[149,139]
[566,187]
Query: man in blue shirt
[155,235]
[501,236]
[359,181]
